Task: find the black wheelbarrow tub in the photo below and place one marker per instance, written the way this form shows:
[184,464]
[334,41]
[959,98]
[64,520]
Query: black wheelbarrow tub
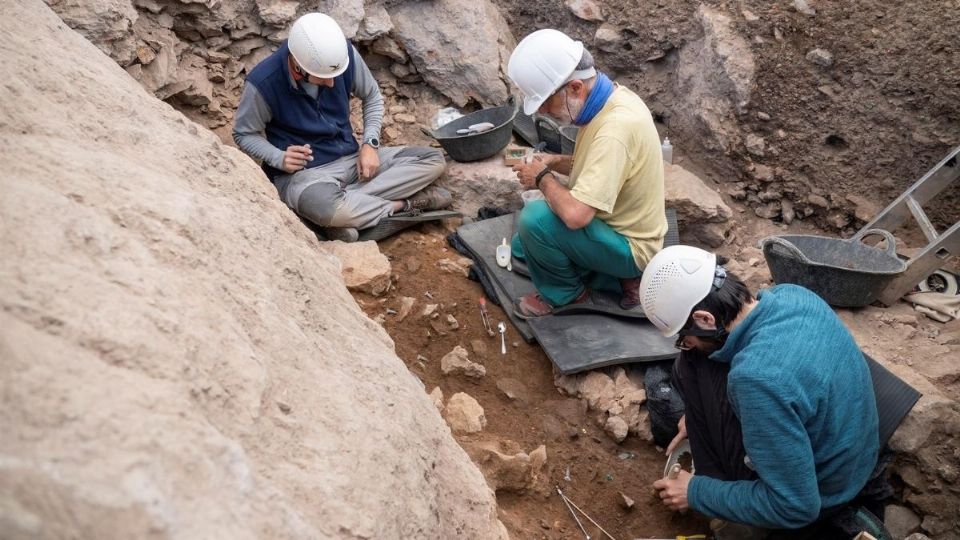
[477,146]
[845,273]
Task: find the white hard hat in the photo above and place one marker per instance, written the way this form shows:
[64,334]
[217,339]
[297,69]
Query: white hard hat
[318,45]
[542,62]
[675,281]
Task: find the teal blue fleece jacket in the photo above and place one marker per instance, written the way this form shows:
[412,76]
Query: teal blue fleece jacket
[803,393]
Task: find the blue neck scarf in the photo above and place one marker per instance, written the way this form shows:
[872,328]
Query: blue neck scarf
[602,89]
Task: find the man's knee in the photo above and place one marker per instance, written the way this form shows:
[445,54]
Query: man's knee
[428,157]
[536,218]
[319,202]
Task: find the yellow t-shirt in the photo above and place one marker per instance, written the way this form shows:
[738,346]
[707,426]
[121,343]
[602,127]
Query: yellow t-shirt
[618,169]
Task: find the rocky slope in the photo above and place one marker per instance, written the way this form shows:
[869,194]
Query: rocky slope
[180,360]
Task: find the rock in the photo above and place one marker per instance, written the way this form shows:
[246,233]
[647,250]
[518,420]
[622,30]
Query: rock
[626,502]
[608,38]
[363,267]
[820,57]
[749,16]
[598,390]
[406,306]
[429,310]
[508,472]
[763,173]
[692,198]
[864,209]
[483,183]
[279,13]
[436,395]
[936,525]
[213,306]
[900,521]
[457,362]
[768,210]
[925,418]
[404,118]
[786,211]
[412,264]
[617,428]
[464,414]
[460,265]
[838,220]
[587,10]
[917,536]
[804,7]
[479,347]
[452,322]
[391,134]
[715,77]
[818,201]
[461,69]
[376,22]
[513,389]
[405,73]
[700,210]
[387,46]
[107,24]
[755,145]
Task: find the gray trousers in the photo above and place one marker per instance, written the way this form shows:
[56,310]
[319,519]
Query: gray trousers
[332,195]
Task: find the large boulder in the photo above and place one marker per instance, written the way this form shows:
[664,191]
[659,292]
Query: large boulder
[106,23]
[180,360]
[715,77]
[483,183]
[460,47]
[701,211]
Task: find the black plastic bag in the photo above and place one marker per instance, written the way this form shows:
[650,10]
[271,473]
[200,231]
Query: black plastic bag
[663,402]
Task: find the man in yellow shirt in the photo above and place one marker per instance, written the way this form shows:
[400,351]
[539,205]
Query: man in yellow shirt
[601,228]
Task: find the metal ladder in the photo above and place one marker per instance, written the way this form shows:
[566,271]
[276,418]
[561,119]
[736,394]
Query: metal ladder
[910,203]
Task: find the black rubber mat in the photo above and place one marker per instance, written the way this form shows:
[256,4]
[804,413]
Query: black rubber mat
[580,342]
[390,226]
[586,337]
[895,398]
[481,238]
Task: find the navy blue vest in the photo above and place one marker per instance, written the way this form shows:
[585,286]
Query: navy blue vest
[297,118]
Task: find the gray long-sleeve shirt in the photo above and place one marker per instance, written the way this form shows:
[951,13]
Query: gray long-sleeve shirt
[253,114]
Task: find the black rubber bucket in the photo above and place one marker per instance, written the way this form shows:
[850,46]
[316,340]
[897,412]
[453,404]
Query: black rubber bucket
[845,273]
[537,129]
[476,146]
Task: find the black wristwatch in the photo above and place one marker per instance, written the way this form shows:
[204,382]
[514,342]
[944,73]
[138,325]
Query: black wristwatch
[540,176]
[373,142]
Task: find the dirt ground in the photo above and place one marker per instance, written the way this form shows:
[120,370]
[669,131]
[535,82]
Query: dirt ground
[600,469]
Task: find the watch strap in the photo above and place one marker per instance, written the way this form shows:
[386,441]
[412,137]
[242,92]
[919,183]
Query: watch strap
[540,176]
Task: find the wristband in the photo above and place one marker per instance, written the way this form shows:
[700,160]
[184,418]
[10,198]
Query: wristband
[540,176]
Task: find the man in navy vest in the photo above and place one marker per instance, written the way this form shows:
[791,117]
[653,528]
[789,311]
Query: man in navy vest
[294,116]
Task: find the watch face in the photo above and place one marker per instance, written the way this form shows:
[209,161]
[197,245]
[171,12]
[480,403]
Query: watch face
[373,142]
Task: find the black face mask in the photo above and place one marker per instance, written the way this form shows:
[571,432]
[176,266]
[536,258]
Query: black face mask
[717,336]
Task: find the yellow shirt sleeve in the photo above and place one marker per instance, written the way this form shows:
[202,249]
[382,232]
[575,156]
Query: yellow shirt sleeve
[604,171]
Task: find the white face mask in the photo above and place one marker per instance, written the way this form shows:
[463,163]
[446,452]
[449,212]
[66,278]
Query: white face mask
[570,110]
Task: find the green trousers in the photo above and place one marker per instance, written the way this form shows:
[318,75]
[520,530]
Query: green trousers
[563,261]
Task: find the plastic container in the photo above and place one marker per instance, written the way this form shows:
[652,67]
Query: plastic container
[531,195]
[845,273]
[667,150]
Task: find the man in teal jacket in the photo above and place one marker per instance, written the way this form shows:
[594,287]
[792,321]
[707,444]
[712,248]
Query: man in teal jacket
[780,409]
